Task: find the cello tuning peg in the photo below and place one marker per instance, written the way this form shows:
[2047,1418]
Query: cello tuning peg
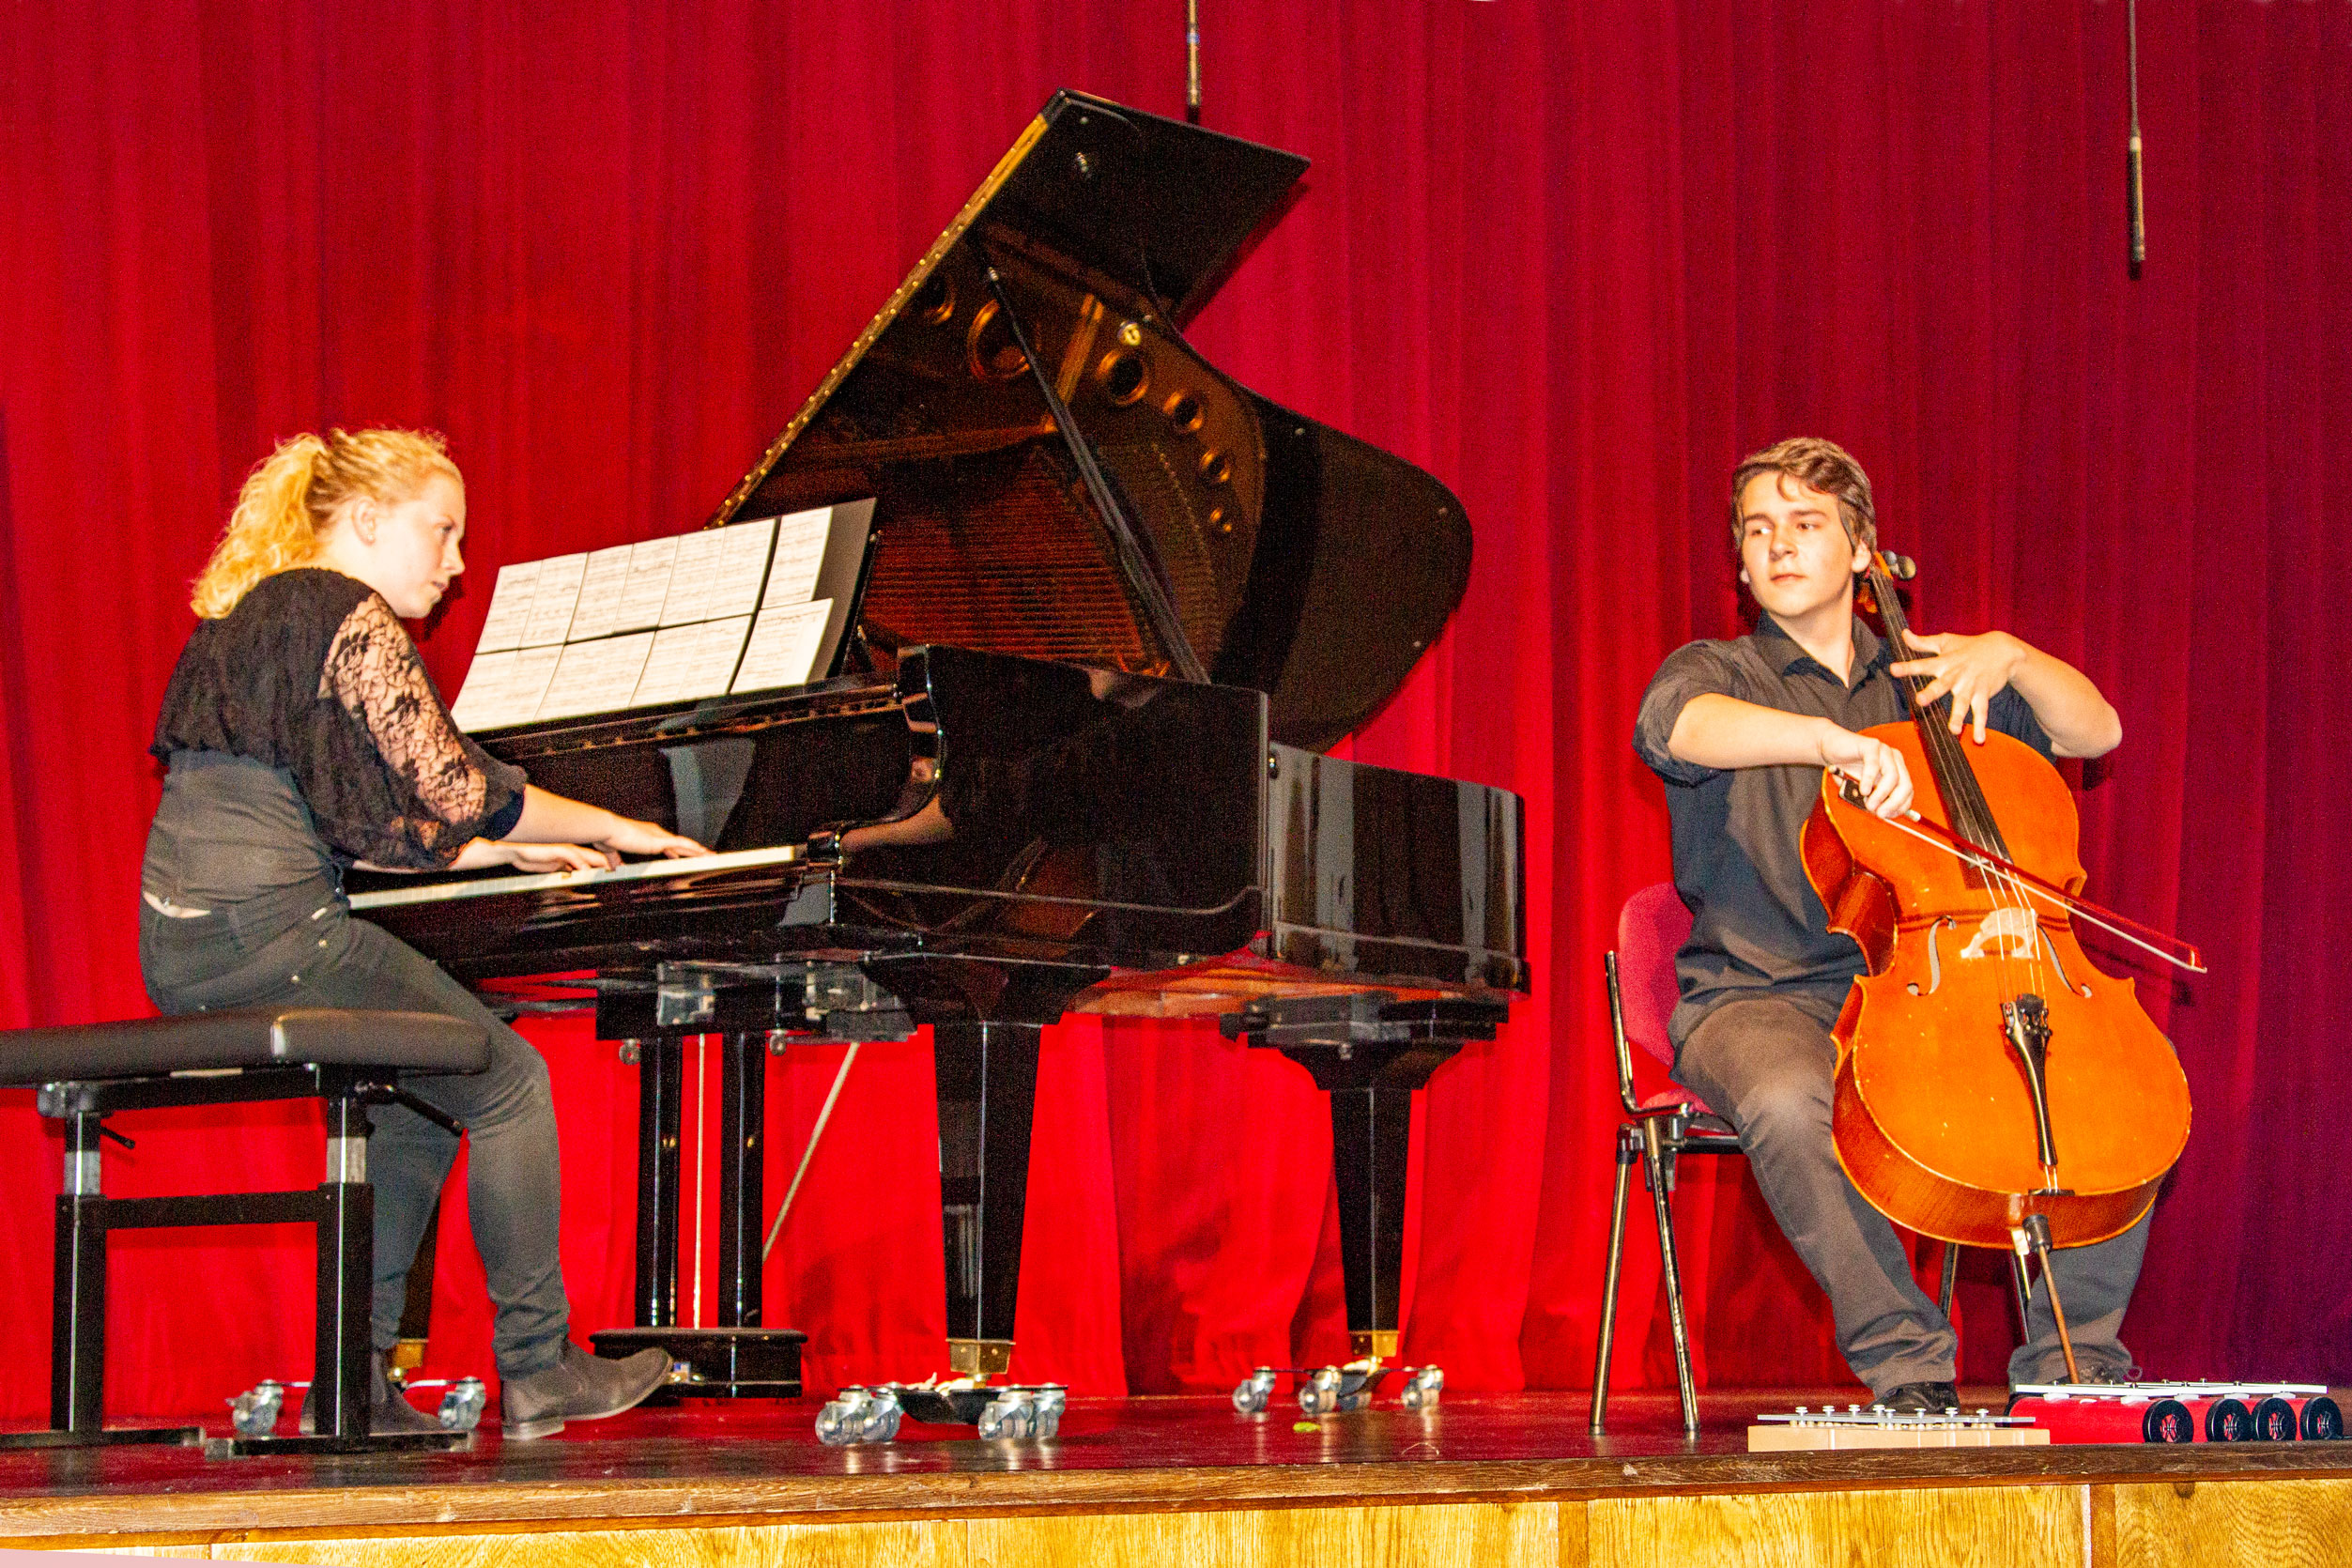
[1900,567]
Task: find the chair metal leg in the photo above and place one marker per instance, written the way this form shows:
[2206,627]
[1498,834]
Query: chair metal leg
[1653,1161]
[1951,1279]
[1627,1151]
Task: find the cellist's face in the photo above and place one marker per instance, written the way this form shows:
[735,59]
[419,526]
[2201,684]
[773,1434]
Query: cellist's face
[1794,555]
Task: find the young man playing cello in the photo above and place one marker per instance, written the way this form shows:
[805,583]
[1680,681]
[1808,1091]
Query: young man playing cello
[1739,732]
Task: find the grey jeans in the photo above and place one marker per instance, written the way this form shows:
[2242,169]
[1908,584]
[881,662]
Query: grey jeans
[252,956]
[1769,1068]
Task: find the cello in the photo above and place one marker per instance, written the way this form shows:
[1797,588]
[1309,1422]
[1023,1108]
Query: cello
[1994,1089]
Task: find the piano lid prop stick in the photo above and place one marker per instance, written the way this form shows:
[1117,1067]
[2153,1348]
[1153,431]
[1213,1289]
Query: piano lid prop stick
[824,1115]
[1137,562]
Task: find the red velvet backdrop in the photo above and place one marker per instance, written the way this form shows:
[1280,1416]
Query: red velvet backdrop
[1574,259]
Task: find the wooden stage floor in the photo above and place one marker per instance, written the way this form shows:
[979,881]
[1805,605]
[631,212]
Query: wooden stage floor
[1164,1481]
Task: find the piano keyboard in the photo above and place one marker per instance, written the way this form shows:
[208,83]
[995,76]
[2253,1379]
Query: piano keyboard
[642,870]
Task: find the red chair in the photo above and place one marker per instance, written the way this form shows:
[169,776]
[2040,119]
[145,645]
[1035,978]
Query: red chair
[1642,992]
[1657,1131]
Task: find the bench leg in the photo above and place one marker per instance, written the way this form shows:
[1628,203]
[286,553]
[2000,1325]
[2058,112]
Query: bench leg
[77,1332]
[347,1275]
[77,1308]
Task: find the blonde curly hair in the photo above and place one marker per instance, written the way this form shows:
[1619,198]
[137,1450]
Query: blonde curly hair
[293,494]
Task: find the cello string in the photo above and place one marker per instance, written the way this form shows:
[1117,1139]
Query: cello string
[1948,771]
[1928,829]
[1924,831]
[1964,793]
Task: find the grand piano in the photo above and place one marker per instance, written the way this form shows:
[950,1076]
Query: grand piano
[1070,757]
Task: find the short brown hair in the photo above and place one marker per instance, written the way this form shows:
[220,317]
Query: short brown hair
[1823,466]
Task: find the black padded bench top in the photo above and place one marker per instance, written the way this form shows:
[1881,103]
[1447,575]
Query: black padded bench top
[252,1037]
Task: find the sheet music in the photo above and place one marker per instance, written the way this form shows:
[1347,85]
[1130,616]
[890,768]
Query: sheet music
[504,688]
[662,621]
[595,676]
[510,607]
[482,698]
[783,647]
[559,592]
[718,573]
[649,562]
[693,661]
[800,541]
[598,613]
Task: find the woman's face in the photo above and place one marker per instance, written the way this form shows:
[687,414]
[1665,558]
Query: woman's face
[409,550]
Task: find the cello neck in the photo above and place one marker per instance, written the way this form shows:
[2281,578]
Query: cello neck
[1948,759]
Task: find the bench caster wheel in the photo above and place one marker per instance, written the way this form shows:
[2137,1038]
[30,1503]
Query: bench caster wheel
[255,1413]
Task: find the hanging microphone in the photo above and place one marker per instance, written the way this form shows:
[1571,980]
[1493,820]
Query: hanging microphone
[1192,60]
[2132,159]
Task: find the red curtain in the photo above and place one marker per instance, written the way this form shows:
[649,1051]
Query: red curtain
[1574,259]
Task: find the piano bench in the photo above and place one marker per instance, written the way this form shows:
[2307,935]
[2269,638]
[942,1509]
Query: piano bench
[348,1059]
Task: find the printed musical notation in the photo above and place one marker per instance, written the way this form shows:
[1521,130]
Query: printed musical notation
[745,607]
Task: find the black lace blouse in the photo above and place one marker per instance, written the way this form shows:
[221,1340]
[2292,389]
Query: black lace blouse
[312,672]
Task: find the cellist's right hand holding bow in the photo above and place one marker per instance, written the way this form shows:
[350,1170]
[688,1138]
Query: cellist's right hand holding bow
[1877,769]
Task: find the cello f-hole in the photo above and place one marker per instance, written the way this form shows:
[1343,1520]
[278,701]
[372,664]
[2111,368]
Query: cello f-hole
[1935,963]
[2058,964]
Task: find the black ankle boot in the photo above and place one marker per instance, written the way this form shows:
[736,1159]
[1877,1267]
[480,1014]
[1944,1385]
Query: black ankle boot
[581,1386]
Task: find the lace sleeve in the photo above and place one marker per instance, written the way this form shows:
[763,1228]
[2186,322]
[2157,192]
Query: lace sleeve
[440,788]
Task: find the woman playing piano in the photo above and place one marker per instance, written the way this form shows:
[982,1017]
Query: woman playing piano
[303,736]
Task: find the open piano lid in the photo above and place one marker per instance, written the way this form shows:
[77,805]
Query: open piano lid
[1298,561]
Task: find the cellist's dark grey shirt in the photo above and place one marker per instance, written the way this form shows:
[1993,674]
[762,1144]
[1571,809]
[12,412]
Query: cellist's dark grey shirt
[1759,927]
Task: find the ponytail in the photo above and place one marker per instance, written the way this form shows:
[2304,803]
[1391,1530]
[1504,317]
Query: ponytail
[293,495]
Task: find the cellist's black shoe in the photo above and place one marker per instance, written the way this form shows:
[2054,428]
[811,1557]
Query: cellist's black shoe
[1912,1399]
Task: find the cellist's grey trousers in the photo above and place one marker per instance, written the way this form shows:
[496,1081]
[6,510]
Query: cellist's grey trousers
[1769,1068]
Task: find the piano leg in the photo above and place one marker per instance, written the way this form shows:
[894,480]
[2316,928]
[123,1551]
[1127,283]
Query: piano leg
[1372,1088]
[741,1117]
[736,1357]
[661,1081]
[1372,1130]
[987,1076]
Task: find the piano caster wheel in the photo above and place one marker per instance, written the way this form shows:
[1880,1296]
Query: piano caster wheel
[859,1416]
[1022,1413]
[1009,1415]
[1254,1392]
[1328,1390]
[255,1412]
[1422,1389]
[462,1406]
